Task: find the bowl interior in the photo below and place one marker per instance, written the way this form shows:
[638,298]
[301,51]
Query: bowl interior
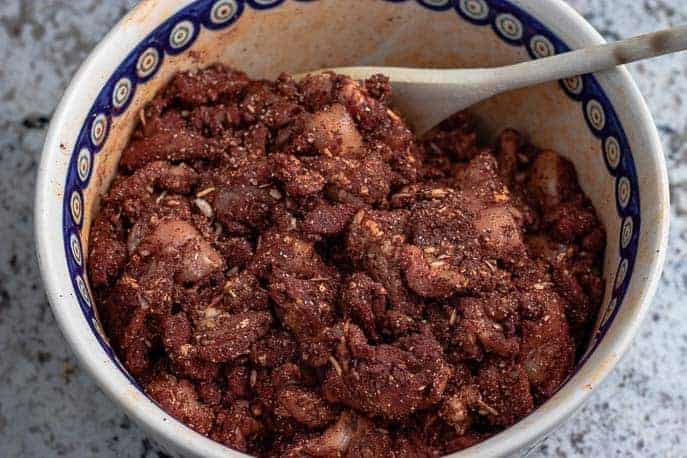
[593,121]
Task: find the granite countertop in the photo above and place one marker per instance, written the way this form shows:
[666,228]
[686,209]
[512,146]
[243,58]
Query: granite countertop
[49,407]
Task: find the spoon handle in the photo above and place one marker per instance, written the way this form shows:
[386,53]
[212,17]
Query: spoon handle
[428,96]
[593,59]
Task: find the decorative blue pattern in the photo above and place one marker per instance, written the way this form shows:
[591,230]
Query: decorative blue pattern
[177,34]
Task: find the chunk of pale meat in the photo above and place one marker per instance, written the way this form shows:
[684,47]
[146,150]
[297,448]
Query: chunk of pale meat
[499,229]
[351,436]
[199,261]
[430,279]
[334,131]
[552,178]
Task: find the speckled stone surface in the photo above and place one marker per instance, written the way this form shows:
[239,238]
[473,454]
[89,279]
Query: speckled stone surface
[49,407]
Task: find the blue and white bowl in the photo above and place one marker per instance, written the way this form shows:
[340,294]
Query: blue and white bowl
[599,122]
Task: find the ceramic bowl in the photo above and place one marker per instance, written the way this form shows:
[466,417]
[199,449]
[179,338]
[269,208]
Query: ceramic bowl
[599,122]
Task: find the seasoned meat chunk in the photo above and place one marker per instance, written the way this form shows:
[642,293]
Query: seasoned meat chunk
[354,181]
[236,426]
[552,179]
[305,406]
[135,343]
[299,180]
[547,349]
[375,242]
[243,292]
[306,308]
[274,349]
[505,391]
[489,320]
[456,137]
[222,337]
[108,247]
[180,399]
[201,87]
[391,381]
[445,256]
[327,219]
[286,252]
[169,137]
[364,301]
[334,132]
[490,200]
[457,408]
[171,238]
[351,436]
[177,333]
[244,204]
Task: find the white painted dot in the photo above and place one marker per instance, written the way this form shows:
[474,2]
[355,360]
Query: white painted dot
[612,151]
[595,114]
[121,92]
[574,85]
[624,191]
[83,164]
[626,232]
[541,46]
[509,26]
[76,207]
[181,34]
[99,129]
[223,11]
[147,62]
[75,246]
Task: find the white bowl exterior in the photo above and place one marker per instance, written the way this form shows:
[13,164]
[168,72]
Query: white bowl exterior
[553,124]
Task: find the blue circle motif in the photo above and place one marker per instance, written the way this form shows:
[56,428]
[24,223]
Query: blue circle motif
[99,129]
[475,11]
[76,207]
[623,191]
[122,93]
[83,291]
[147,63]
[612,152]
[595,115]
[509,27]
[573,86]
[223,13]
[182,36]
[84,164]
[540,46]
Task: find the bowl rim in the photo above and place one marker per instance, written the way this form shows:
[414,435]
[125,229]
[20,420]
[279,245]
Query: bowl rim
[49,248]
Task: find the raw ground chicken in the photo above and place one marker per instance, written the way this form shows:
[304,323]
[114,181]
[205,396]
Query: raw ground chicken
[286,269]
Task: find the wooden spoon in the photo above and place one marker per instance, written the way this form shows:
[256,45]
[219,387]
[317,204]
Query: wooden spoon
[426,97]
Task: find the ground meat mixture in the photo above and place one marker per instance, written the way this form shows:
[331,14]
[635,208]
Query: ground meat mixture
[287,269]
